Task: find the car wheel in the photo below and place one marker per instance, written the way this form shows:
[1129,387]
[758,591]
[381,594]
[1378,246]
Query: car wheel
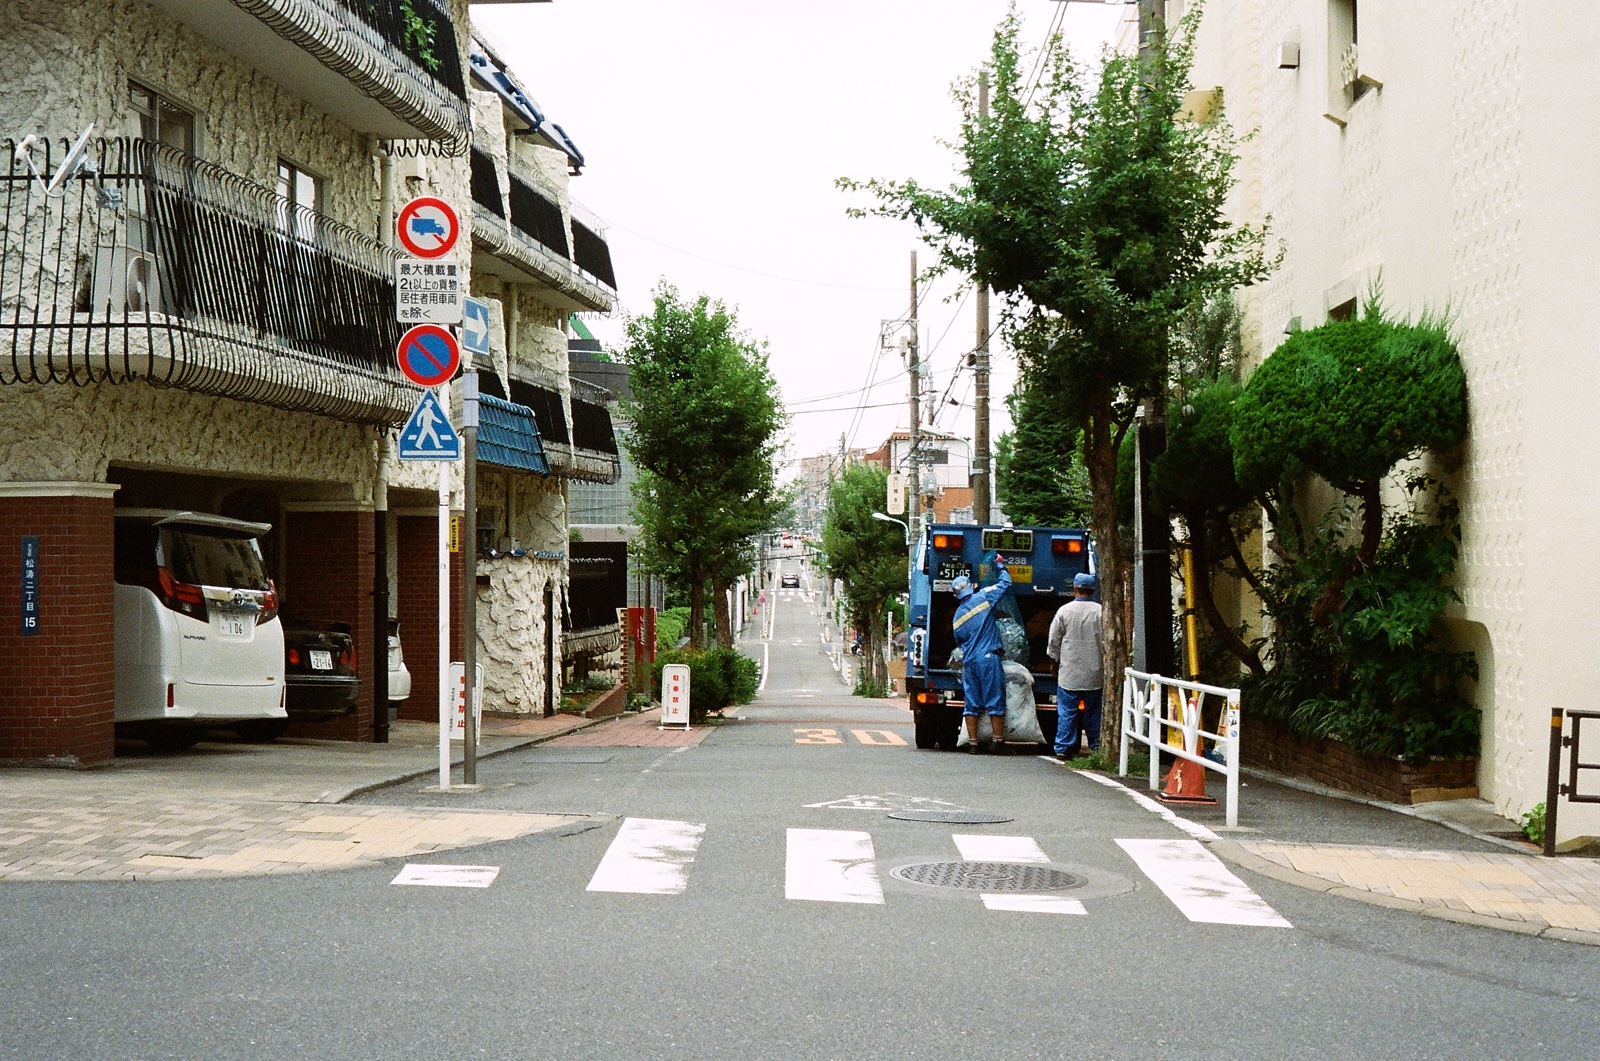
[263,732]
[925,737]
[172,739]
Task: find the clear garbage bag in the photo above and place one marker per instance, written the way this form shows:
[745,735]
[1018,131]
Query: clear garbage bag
[1022,722]
[1014,640]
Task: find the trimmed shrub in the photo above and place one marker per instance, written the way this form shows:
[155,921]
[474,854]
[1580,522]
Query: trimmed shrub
[718,678]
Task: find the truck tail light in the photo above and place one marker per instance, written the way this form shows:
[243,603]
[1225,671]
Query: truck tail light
[927,698]
[1064,546]
[949,541]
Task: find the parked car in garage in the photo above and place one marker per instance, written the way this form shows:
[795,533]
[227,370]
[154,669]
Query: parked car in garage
[198,641]
[320,669]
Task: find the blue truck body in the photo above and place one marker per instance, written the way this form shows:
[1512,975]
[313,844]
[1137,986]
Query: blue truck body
[1043,561]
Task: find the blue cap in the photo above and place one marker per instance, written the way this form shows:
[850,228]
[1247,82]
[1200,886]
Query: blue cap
[1083,580]
[961,585]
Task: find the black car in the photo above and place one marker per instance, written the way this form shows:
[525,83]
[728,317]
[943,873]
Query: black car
[320,670]
[790,582]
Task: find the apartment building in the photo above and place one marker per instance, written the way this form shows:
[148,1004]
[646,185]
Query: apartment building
[1439,145]
[197,312]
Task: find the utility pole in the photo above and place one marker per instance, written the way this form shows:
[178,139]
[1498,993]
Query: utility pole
[980,371]
[914,368]
[469,579]
[1153,647]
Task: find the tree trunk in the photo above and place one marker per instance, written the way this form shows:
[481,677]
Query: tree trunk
[1100,455]
[697,608]
[872,668]
[724,618]
[1208,602]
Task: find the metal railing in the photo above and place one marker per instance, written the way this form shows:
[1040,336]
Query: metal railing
[1153,705]
[420,31]
[1579,770]
[150,265]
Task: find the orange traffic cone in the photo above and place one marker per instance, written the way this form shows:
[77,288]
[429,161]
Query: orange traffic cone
[1186,783]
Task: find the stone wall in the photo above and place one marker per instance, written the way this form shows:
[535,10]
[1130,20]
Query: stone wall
[1336,765]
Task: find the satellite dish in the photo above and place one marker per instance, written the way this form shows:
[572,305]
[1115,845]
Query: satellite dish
[72,163]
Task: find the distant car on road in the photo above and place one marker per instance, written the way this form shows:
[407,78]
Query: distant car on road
[790,582]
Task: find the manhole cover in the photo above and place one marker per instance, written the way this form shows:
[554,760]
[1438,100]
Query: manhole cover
[990,876]
[950,817]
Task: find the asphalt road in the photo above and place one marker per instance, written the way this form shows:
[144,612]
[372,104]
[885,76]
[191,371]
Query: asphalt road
[721,961]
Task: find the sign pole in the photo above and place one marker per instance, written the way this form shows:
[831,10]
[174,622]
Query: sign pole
[446,697]
[469,557]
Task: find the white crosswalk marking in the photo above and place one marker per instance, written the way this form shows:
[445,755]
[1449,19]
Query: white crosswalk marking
[831,866]
[1199,885]
[650,856]
[978,848]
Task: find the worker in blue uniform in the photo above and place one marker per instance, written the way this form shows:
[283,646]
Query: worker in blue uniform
[983,678]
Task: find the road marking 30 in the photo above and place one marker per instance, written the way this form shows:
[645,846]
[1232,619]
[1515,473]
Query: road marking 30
[650,856]
[872,738]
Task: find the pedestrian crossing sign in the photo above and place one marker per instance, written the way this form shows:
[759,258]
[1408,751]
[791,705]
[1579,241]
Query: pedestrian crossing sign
[428,436]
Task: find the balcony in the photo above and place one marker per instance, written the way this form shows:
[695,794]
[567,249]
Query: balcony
[156,267]
[389,68]
[589,451]
[527,243]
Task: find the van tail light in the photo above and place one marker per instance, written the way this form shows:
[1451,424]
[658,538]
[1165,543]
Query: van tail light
[180,596]
[172,699]
[269,604]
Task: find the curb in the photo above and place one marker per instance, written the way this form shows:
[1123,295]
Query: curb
[340,795]
[1398,808]
[1232,852]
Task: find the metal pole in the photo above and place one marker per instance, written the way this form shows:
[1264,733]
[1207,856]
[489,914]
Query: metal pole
[445,697]
[380,596]
[980,374]
[914,368]
[1552,783]
[469,559]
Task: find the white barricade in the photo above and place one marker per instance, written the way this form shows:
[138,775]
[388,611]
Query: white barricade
[1149,709]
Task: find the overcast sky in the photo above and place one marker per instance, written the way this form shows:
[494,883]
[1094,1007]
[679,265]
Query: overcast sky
[714,131]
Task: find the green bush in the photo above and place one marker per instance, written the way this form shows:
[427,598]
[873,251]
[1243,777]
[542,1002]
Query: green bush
[1533,824]
[670,627]
[718,678]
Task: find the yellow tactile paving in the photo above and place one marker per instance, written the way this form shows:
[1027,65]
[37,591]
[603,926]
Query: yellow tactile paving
[1558,893]
[144,839]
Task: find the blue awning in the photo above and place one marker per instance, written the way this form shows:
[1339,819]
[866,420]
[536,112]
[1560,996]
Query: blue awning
[508,436]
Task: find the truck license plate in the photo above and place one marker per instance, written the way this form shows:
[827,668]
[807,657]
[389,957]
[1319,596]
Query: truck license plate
[950,569]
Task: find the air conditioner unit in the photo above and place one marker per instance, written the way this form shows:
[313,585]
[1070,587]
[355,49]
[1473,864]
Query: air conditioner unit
[126,280]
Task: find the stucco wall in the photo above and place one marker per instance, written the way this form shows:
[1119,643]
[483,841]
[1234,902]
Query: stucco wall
[1465,183]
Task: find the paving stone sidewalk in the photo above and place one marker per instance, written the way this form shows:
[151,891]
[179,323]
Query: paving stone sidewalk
[1557,898]
[235,809]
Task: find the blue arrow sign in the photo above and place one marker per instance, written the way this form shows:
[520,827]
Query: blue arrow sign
[475,326]
[428,436]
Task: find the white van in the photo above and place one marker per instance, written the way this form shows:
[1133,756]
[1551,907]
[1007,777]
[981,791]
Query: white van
[198,639]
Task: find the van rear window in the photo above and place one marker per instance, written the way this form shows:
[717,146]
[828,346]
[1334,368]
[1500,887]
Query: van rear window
[202,559]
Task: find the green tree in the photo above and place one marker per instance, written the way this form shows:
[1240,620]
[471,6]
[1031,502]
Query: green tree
[1039,474]
[869,556]
[1097,212]
[706,416]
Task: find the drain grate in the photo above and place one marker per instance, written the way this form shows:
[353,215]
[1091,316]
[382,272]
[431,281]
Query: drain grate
[951,817]
[990,876]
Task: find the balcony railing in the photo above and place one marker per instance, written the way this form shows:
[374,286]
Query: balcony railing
[419,30]
[154,266]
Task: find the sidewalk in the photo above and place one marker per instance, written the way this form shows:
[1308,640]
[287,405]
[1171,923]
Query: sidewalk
[234,809]
[1452,860]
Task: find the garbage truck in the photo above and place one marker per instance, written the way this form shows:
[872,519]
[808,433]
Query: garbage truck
[1042,560]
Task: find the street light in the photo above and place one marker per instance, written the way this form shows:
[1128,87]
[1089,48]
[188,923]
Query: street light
[891,519]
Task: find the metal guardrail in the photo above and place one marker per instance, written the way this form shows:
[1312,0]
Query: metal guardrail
[1577,768]
[150,265]
[1153,705]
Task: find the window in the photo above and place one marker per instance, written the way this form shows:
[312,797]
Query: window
[300,197]
[1344,50]
[162,120]
[1344,311]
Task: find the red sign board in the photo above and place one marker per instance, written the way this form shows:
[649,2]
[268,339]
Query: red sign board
[428,227]
[428,355]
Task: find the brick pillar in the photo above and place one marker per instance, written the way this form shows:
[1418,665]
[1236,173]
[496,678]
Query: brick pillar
[417,608]
[58,687]
[328,575]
